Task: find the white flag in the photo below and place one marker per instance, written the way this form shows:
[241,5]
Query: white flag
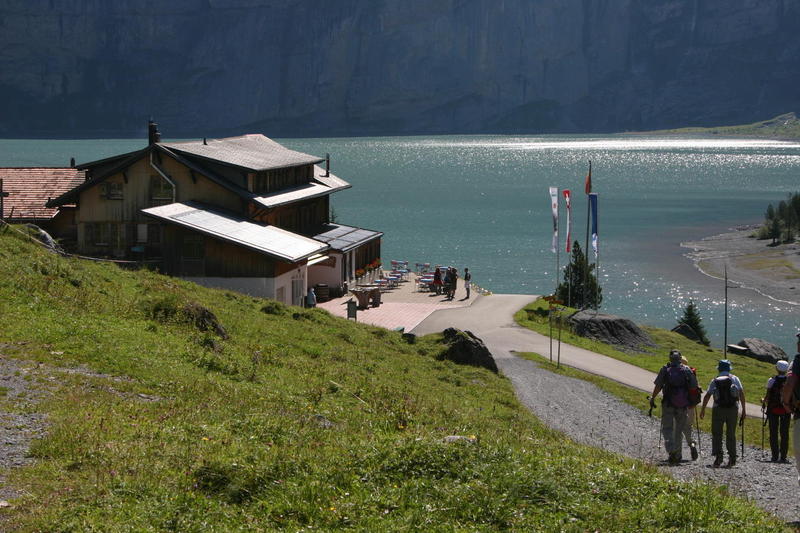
[554,205]
[567,198]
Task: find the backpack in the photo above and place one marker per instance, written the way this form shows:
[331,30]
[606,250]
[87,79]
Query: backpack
[726,394]
[676,386]
[695,393]
[774,396]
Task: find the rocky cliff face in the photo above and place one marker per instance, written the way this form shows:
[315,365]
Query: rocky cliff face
[297,67]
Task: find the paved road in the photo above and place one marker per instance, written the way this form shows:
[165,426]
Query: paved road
[491,318]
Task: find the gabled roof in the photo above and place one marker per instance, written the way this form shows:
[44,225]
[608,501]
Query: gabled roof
[345,238]
[30,188]
[252,152]
[324,185]
[112,165]
[269,240]
[247,152]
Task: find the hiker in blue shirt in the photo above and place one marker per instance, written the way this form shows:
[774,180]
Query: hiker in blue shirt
[676,380]
[727,391]
[311,298]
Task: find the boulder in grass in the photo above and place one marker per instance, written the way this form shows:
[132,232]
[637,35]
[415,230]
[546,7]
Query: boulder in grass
[203,319]
[762,350]
[465,348]
[610,329]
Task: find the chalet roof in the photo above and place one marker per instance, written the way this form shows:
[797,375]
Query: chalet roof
[324,185]
[249,152]
[270,240]
[110,166]
[345,238]
[30,188]
[253,152]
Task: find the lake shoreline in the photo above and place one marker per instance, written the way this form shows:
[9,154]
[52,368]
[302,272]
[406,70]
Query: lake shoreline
[773,271]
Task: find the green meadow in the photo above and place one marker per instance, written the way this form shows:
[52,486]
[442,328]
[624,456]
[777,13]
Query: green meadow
[296,421]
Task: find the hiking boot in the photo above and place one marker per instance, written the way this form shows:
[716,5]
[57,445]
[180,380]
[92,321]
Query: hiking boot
[674,458]
[731,462]
[774,459]
[718,462]
[693,449]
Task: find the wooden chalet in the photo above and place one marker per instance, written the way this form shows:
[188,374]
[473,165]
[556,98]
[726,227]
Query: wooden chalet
[242,213]
[25,191]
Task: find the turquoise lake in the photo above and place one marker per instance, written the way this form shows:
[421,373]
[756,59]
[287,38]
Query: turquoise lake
[482,202]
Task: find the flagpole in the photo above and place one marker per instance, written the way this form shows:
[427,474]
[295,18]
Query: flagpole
[555,290]
[555,246]
[567,248]
[597,261]
[558,364]
[587,190]
[725,335]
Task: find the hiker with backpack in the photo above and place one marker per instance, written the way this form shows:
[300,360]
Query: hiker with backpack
[691,413]
[777,415]
[728,392]
[789,396]
[676,380]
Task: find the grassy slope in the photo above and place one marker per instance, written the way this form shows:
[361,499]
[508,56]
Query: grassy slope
[785,126]
[232,442]
[753,374]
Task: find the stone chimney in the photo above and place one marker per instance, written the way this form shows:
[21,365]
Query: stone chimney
[153,136]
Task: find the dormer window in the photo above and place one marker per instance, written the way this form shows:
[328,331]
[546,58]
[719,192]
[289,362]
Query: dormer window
[160,190]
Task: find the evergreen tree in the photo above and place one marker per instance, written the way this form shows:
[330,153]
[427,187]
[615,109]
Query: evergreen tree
[691,318]
[775,230]
[575,291]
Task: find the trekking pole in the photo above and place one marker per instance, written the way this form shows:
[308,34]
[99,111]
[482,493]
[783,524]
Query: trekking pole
[697,427]
[742,424]
[763,424]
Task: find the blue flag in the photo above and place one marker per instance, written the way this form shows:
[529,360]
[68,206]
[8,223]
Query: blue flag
[593,204]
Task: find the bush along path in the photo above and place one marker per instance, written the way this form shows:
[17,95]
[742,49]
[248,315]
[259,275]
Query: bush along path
[589,415]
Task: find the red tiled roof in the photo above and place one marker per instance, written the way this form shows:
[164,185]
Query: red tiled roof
[29,189]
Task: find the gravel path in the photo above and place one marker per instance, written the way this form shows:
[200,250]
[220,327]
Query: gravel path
[18,427]
[591,416]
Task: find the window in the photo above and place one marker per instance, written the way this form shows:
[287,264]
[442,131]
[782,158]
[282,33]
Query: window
[160,190]
[101,234]
[111,190]
[141,232]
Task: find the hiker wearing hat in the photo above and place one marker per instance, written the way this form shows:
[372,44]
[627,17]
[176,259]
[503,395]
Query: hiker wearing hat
[777,415]
[727,391]
[789,395]
[675,379]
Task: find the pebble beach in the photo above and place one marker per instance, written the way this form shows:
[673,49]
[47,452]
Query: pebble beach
[773,271]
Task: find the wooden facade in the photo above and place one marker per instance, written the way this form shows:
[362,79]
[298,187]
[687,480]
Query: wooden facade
[110,221]
[225,183]
[187,253]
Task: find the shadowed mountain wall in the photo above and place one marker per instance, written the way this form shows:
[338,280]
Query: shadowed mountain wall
[354,67]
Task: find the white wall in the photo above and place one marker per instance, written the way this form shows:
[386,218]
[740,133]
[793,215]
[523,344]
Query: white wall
[329,275]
